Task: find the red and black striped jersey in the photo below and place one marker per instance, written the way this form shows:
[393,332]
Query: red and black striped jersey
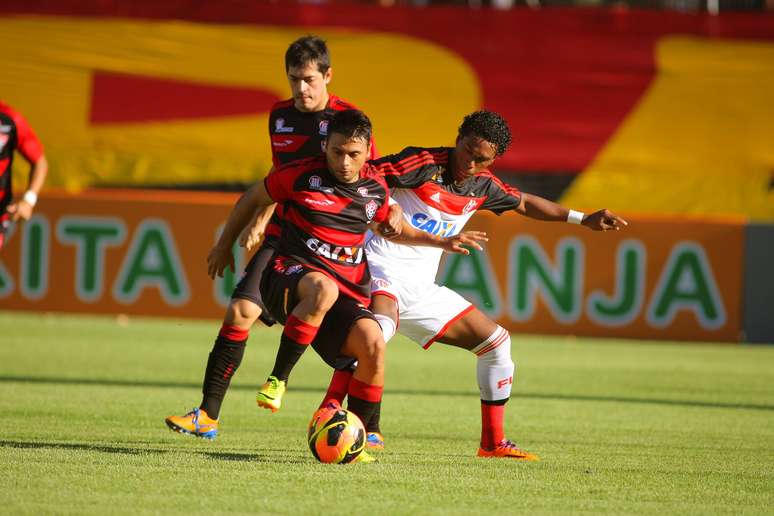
[325,221]
[425,171]
[15,134]
[298,135]
[421,182]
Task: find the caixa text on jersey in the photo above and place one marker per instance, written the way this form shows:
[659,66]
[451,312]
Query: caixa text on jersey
[343,254]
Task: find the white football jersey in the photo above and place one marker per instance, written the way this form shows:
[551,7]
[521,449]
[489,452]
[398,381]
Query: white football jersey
[432,202]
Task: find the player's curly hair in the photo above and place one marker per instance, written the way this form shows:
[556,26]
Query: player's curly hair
[488,126]
[308,49]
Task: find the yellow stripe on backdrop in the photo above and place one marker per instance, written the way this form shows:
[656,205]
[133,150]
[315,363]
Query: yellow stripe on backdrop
[700,141]
[415,92]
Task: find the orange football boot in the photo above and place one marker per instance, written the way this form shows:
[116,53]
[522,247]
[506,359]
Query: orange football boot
[507,449]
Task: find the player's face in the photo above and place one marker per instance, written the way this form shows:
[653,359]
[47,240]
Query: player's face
[472,155]
[346,156]
[309,86]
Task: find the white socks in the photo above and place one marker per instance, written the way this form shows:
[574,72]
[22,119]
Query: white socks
[494,366]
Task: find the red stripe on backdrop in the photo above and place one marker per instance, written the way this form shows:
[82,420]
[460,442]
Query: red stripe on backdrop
[124,98]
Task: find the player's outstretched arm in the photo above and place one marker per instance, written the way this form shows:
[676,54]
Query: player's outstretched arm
[536,207]
[22,209]
[409,235]
[221,255]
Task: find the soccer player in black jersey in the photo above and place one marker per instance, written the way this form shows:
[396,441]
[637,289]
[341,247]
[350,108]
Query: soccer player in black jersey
[17,135]
[318,284]
[297,128]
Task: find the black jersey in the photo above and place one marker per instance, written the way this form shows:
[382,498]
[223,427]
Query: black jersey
[325,221]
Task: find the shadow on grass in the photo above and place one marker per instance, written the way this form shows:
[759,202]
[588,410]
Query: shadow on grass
[429,392]
[125,450]
[32,445]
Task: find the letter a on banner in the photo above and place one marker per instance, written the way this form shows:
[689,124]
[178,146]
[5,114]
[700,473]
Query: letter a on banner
[687,283]
[152,261]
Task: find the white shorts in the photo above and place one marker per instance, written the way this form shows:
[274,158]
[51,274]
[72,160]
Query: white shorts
[425,310]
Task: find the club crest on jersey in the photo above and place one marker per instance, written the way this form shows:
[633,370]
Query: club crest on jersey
[342,254]
[469,207]
[279,126]
[370,209]
[323,128]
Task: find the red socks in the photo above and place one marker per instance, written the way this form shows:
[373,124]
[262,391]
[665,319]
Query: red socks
[339,386]
[491,425]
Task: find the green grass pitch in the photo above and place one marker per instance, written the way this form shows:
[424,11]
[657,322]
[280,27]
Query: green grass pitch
[622,427]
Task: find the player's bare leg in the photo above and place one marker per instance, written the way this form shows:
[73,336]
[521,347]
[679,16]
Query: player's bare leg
[492,345]
[316,293]
[386,312]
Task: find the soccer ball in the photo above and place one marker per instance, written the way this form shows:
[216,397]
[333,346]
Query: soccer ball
[335,435]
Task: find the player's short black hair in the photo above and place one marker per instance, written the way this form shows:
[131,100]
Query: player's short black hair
[306,50]
[351,123]
[488,126]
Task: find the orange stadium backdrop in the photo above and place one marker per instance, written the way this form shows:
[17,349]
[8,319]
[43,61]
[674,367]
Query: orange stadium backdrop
[650,111]
[144,253]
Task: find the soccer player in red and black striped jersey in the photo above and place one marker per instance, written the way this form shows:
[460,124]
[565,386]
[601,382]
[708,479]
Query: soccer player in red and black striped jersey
[17,135]
[297,128]
[318,284]
[438,190]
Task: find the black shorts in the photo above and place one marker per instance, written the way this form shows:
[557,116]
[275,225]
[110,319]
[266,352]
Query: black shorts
[5,226]
[279,288]
[250,283]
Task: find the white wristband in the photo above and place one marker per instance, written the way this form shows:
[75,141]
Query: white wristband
[30,198]
[575,217]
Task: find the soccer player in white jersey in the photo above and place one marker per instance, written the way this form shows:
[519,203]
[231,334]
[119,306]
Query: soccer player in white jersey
[439,189]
